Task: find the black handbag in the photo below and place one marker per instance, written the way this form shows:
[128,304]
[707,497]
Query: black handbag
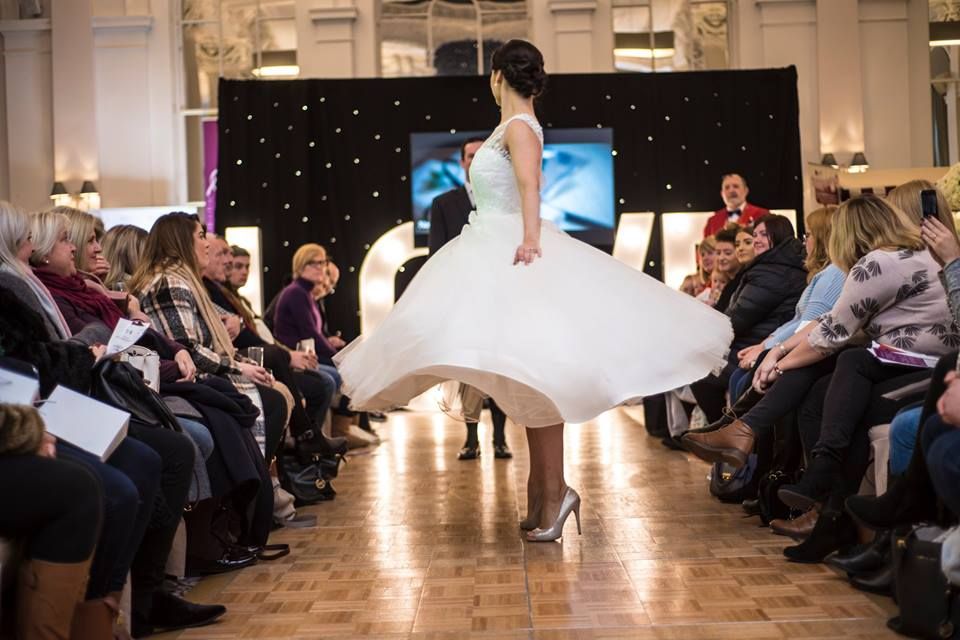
[929,605]
[121,385]
[733,485]
[771,506]
[304,480]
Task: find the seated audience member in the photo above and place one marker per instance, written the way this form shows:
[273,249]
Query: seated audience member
[726,261]
[941,446]
[767,290]
[56,513]
[297,316]
[122,246]
[908,494]
[174,470]
[317,387]
[878,245]
[736,209]
[169,284]
[891,297]
[744,245]
[696,283]
[240,271]
[824,282]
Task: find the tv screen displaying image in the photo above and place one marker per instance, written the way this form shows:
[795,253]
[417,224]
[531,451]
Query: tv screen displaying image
[577,193]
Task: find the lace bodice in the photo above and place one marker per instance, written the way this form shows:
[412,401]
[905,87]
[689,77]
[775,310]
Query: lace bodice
[494,183]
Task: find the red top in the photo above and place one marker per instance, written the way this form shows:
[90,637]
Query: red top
[748,215]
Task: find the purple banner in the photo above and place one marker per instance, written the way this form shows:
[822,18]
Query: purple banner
[210,171]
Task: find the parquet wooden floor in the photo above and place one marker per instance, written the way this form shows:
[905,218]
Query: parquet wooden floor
[421,545]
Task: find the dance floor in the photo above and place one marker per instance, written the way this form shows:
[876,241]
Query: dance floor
[420,545]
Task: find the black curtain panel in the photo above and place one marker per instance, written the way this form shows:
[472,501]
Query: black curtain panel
[328,161]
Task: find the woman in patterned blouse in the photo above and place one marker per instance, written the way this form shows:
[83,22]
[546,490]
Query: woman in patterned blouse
[891,296]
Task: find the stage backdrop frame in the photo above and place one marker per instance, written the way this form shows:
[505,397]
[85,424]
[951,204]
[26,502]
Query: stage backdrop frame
[328,161]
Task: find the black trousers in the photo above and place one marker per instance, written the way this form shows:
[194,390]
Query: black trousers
[275,419]
[785,395]
[850,399]
[55,505]
[499,426]
[176,473]
[876,409]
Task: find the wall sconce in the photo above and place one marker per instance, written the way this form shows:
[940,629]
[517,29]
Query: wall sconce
[87,200]
[60,196]
[859,163]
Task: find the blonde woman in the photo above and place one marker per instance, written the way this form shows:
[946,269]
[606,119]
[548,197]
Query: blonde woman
[122,247]
[753,414]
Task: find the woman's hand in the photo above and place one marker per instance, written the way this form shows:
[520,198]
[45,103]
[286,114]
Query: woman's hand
[766,373]
[337,342]
[258,374]
[48,446]
[527,252]
[303,360]
[748,356]
[98,351]
[942,244]
[233,325]
[188,370]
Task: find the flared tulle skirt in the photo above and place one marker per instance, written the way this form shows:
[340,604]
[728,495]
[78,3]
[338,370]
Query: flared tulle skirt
[561,340]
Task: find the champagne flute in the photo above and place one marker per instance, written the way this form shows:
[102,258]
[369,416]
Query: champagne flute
[256,354]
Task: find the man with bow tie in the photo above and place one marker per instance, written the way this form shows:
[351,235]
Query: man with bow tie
[733,190]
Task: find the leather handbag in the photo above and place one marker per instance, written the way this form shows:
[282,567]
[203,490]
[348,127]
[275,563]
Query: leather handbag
[929,604]
[120,385]
[733,485]
[305,480]
[771,506]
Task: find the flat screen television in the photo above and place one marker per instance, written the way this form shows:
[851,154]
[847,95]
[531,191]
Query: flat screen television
[577,195]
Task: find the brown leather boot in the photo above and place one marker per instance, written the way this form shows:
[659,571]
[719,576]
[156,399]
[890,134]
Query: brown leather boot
[47,594]
[93,620]
[798,528]
[731,444]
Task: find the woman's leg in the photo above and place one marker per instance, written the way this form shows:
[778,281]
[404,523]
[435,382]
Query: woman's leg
[848,399]
[121,518]
[941,445]
[549,445]
[58,512]
[903,437]
[534,481]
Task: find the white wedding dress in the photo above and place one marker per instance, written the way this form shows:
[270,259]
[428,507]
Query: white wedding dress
[561,340]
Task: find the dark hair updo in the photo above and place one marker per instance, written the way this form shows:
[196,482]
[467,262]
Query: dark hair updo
[521,64]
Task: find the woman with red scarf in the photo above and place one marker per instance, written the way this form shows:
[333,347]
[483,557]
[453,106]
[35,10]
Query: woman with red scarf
[83,300]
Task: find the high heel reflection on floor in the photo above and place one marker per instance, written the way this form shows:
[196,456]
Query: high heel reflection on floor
[570,502]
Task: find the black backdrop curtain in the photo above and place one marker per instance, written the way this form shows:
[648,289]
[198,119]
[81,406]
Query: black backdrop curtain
[328,161]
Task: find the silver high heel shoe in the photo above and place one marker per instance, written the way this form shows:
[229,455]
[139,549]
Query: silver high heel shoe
[533,516]
[570,502]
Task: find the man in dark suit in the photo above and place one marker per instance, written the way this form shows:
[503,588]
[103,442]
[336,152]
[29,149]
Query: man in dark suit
[733,190]
[449,212]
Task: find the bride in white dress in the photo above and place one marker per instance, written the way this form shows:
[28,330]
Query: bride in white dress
[565,332]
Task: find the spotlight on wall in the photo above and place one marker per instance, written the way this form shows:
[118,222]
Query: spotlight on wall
[830,161]
[859,163]
[378,270]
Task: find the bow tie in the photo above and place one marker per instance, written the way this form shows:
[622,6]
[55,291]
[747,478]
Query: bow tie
[733,214]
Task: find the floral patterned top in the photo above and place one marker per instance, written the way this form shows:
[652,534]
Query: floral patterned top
[895,298]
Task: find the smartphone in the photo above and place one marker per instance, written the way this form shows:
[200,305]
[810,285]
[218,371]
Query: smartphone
[928,203]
